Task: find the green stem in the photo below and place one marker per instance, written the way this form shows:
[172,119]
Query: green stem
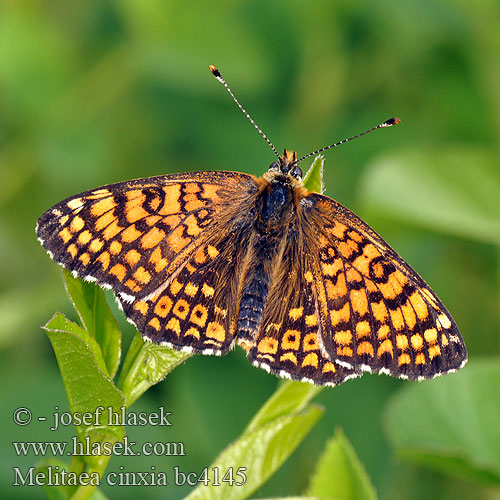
[85,492]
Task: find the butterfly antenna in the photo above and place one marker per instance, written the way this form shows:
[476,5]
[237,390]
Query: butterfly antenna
[217,75]
[387,123]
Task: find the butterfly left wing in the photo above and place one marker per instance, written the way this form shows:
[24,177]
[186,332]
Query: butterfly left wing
[377,312]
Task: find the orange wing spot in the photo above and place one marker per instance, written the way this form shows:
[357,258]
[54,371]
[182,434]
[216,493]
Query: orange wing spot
[344,337]
[397,319]
[420,359]
[207,290]
[199,256]
[132,257]
[388,289]
[199,315]
[193,332]
[295,313]
[101,207]
[174,325]
[409,315]
[172,221]
[404,359]
[311,320]
[142,307]
[308,276]
[151,220]
[65,235]
[84,237]
[191,290]
[289,356]
[431,335]
[291,340]
[176,240]
[379,310]
[328,367]
[220,312]
[96,245]
[130,234]
[419,305]
[363,329]
[378,270]
[216,331]
[155,323]
[133,285]
[104,221]
[75,204]
[383,332]
[142,276]
[191,223]
[311,360]
[354,235]
[77,224]
[193,187]
[434,351]
[193,203]
[115,248]
[104,259]
[212,251]
[338,230]
[429,297]
[157,260]
[359,302]
[210,192]
[385,346]
[444,340]
[347,248]
[341,315]
[344,351]
[331,269]
[171,204]
[417,342]
[152,238]
[176,287]
[337,290]
[63,220]
[402,342]
[118,270]
[134,210]
[163,306]
[311,342]
[444,321]
[190,268]
[353,275]
[112,230]
[365,348]
[370,286]
[72,250]
[85,258]
[181,309]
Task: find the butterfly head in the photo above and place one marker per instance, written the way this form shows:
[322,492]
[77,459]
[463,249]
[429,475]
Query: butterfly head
[286,166]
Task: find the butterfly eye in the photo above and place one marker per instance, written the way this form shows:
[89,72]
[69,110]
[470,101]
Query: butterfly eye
[296,172]
[275,166]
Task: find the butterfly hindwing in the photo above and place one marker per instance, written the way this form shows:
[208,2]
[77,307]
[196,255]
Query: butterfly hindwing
[380,314]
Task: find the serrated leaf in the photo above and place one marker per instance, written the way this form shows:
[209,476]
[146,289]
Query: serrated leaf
[261,452]
[456,191]
[451,423]
[87,384]
[145,365]
[339,474]
[313,180]
[95,315]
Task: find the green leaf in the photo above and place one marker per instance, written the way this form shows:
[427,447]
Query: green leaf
[86,382]
[288,398]
[260,452]
[313,180]
[451,423]
[339,474]
[95,315]
[456,191]
[145,365]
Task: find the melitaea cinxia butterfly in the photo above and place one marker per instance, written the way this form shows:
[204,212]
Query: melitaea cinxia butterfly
[201,261]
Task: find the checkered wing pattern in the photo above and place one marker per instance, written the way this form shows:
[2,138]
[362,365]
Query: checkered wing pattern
[378,313]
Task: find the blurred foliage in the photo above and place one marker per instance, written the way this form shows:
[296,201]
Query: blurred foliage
[98,92]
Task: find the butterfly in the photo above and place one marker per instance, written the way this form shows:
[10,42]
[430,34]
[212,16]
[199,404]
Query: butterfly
[202,261]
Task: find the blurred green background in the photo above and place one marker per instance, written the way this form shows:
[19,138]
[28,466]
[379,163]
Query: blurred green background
[97,92]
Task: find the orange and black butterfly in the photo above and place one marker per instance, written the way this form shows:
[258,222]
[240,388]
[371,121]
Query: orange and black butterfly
[201,261]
